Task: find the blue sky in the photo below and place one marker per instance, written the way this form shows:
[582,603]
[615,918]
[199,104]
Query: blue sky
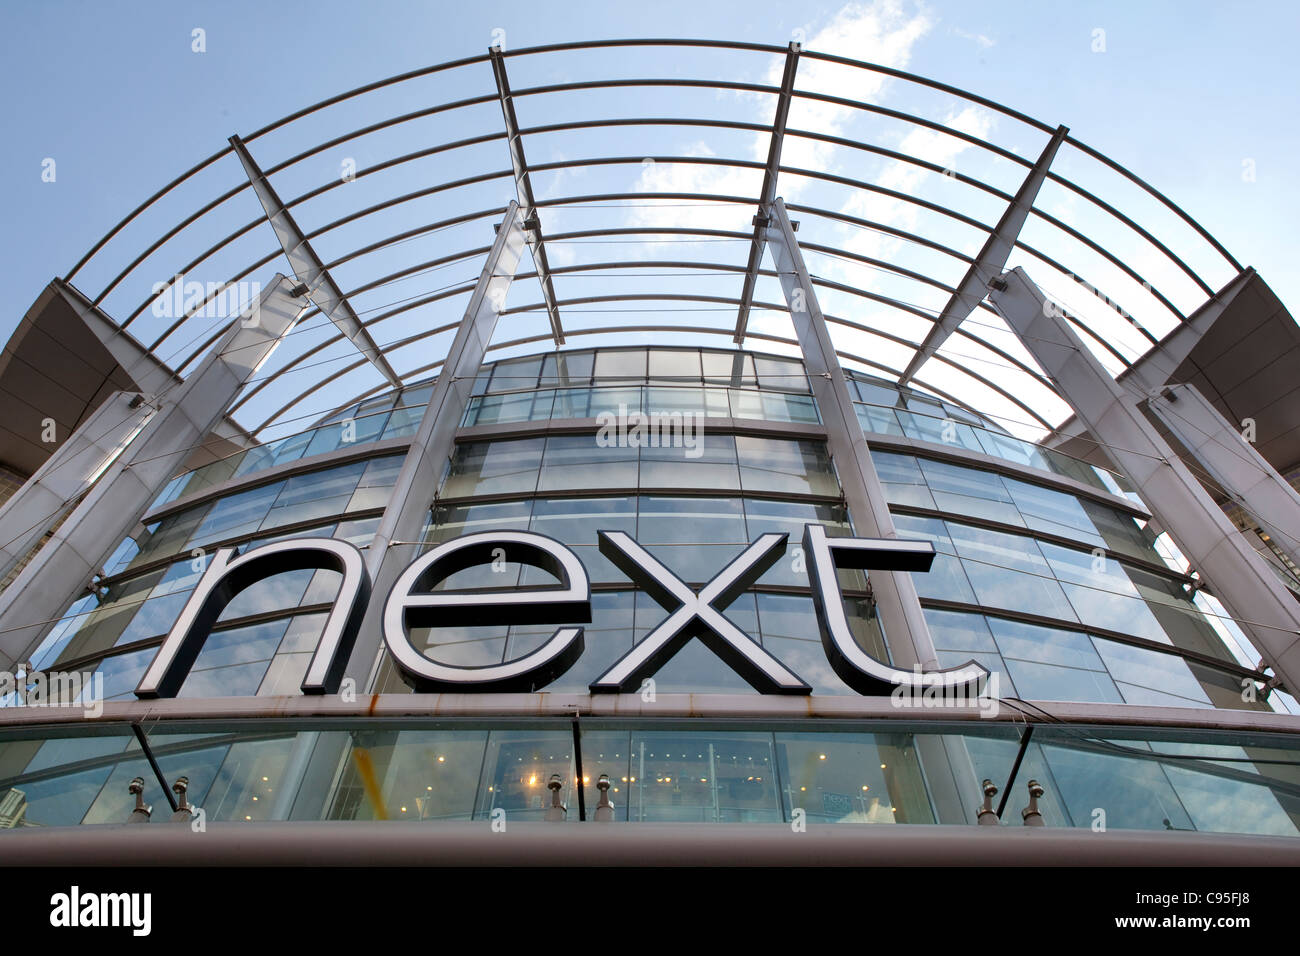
[1187,95]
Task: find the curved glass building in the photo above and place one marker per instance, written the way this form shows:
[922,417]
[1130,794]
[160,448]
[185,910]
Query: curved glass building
[577,451]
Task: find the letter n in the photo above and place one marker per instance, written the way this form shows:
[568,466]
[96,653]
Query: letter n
[225,578]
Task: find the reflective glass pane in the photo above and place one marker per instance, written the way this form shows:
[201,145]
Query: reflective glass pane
[939,430]
[772,464]
[567,368]
[320,494]
[969,491]
[485,468]
[615,366]
[675,365]
[703,777]
[781,375]
[410,775]
[700,461]
[517,770]
[853,778]
[729,368]
[587,461]
[878,421]
[237,515]
[513,374]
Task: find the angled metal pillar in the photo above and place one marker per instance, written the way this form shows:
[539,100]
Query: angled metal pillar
[524,193]
[1158,366]
[397,539]
[309,269]
[768,192]
[896,600]
[183,418]
[1233,462]
[990,262]
[1238,576]
[69,473]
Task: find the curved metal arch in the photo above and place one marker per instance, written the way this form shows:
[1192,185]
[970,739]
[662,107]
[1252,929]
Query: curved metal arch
[271,127]
[774,51]
[1043,257]
[231,193]
[586,45]
[701,160]
[400,237]
[342,221]
[1165,200]
[333,339]
[723,162]
[975,98]
[592,267]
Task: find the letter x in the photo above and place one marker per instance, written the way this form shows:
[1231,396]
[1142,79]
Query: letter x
[696,615]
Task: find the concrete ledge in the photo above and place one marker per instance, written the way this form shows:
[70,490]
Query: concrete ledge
[629,844]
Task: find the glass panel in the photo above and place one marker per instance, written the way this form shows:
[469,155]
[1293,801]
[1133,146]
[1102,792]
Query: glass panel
[376,483]
[122,672]
[583,461]
[615,366]
[1139,671]
[1146,778]
[575,521]
[853,778]
[511,407]
[790,408]
[781,375]
[321,494]
[901,477]
[680,400]
[606,639]
[697,777]
[451,521]
[969,491]
[799,467]
[958,631]
[1102,594]
[410,775]
[695,668]
[1053,511]
[567,368]
[706,462]
[878,421]
[694,537]
[514,374]
[675,365]
[592,403]
[518,766]
[729,368]
[356,431]
[790,633]
[1013,449]
[763,516]
[403,422]
[232,663]
[416,395]
[274,593]
[236,516]
[258,458]
[1008,571]
[877,393]
[938,430]
[485,468]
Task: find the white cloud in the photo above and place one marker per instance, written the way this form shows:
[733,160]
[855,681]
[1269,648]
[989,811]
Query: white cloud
[884,32]
[978,38]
